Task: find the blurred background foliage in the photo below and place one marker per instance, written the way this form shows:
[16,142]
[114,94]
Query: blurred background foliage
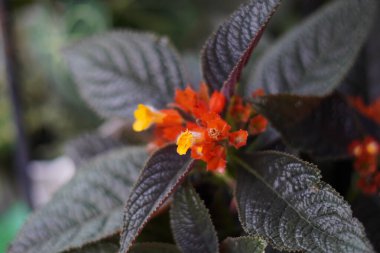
[53,110]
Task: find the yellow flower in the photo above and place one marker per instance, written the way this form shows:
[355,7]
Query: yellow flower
[145,116]
[184,141]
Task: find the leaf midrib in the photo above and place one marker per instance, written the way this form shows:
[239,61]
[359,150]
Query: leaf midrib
[248,168]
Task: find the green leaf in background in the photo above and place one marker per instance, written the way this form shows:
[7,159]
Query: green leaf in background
[117,70]
[282,199]
[329,123]
[45,30]
[227,51]
[313,58]
[87,209]
[11,221]
[162,173]
[89,145]
[192,227]
[244,244]
[154,248]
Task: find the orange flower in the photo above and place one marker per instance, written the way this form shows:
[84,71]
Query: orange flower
[355,148]
[240,111]
[258,93]
[186,99]
[257,125]
[367,186]
[217,128]
[206,139]
[197,125]
[238,139]
[217,102]
[371,111]
[215,158]
[171,117]
[366,154]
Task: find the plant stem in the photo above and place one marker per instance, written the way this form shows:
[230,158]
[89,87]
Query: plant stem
[14,93]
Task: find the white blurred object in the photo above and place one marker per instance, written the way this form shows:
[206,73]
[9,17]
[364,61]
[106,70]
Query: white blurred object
[48,176]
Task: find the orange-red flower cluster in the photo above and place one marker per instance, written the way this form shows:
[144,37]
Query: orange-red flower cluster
[195,123]
[366,154]
[245,115]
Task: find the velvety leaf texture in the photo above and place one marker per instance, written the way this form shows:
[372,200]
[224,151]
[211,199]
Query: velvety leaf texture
[87,209]
[102,246]
[313,58]
[88,146]
[322,127]
[282,199]
[190,220]
[228,50]
[117,70]
[243,245]
[162,173]
[154,248]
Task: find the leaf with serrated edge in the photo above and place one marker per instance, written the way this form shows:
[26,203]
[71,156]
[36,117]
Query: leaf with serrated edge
[161,174]
[190,220]
[117,70]
[313,58]
[282,199]
[227,51]
[109,245]
[87,209]
[244,244]
[153,247]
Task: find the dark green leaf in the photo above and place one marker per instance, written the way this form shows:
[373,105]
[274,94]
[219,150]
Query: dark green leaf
[243,245]
[322,127]
[118,70]
[282,199]
[162,173]
[367,209]
[154,248]
[227,51]
[88,146]
[113,247]
[363,79]
[373,61]
[109,245]
[192,227]
[87,209]
[313,58]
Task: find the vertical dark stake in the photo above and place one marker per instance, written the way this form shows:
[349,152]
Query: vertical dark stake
[13,89]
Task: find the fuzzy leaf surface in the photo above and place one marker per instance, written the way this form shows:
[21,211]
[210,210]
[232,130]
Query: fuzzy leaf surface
[282,199]
[320,126]
[109,245]
[313,58]
[120,69]
[161,174]
[88,146]
[227,51]
[244,244]
[191,224]
[87,209]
